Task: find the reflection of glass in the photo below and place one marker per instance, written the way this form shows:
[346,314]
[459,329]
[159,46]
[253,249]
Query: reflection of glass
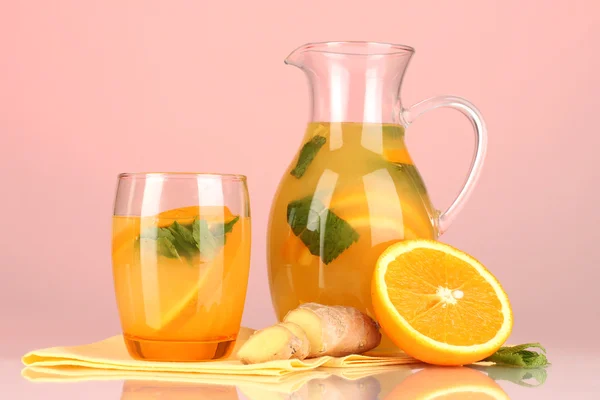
[150,390]
[181,254]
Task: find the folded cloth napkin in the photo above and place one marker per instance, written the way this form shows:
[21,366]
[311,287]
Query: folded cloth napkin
[109,359]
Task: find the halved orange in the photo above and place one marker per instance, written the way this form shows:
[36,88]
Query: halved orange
[439,304]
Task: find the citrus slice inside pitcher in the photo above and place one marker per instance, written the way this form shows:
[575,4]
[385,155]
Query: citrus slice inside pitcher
[439,304]
[391,217]
[379,226]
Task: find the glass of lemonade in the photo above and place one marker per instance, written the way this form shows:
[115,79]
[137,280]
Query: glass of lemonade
[181,257]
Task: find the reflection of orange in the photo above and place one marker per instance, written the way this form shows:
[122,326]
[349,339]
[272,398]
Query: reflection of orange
[449,383]
[147,390]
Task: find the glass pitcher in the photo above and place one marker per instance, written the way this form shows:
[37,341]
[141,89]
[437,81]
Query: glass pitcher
[352,189]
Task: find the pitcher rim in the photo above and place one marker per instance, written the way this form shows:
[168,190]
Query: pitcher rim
[392,48]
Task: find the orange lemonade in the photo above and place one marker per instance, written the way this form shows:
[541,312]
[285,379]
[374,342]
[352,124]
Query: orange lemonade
[180,281]
[351,191]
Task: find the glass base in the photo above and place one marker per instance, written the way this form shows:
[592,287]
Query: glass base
[158,350]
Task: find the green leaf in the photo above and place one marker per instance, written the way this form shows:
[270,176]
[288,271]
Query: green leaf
[205,241]
[228,226]
[519,356]
[154,233]
[324,233]
[220,230]
[184,241]
[166,248]
[307,155]
[182,233]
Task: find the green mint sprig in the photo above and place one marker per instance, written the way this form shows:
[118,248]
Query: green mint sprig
[520,356]
[184,241]
[221,229]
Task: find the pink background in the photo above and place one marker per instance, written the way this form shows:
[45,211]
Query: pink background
[91,89]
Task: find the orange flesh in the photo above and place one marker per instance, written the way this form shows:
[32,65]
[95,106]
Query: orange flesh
[413,280]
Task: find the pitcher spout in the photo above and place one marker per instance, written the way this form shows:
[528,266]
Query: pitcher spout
[296,57]
[353,81]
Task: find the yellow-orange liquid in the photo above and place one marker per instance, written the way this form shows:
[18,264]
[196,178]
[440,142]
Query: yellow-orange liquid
[180,308]
[363,174]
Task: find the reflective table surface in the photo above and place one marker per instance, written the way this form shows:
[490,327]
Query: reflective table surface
[573,373]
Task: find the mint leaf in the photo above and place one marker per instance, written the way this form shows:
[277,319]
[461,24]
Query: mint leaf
[519,356]
[324,233]
[205,241]
[154,233]
[182,233]
[220,230]
[307,155]
[228,226]
[188,240]
[183,239]
[166,248]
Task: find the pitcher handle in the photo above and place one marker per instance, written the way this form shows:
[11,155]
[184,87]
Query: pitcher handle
[473,114]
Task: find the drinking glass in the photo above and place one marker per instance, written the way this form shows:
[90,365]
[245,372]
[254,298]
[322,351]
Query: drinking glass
[181,257]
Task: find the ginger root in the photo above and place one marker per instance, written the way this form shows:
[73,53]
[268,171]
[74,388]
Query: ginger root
[304,349]
[276,342]
[335,330]
[313,330]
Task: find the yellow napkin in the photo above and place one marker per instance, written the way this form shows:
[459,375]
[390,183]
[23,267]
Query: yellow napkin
[109,359]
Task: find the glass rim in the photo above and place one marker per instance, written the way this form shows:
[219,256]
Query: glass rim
[342,47]
[182,175]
